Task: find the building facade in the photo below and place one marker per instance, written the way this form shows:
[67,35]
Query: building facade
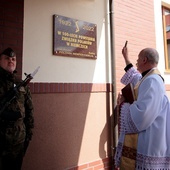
[75,97]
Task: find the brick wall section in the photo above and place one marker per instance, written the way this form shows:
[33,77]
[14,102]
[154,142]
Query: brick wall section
[69,87]
[104,164]
[133,21]
[11,28]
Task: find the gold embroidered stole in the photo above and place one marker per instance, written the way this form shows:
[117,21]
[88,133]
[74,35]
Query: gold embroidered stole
[128,159]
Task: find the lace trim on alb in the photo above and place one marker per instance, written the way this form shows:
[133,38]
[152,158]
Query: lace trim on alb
[126,123]
[152,163]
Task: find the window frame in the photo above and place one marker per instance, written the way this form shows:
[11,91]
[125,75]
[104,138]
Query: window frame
[167,57]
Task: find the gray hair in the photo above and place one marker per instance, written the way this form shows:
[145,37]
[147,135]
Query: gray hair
[151,54]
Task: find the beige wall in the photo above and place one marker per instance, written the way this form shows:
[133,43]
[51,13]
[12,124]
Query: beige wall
[70,129]
[38,38]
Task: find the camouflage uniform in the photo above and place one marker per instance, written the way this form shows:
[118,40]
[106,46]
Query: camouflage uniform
[16,123]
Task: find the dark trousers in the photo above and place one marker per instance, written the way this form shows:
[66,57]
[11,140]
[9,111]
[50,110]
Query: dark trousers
[11,160]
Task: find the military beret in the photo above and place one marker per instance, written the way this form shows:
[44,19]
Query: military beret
[9,52]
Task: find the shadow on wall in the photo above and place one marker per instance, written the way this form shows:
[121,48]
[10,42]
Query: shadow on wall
[108,135]
[59,128]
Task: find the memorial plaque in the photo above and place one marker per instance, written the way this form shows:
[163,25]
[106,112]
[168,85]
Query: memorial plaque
[74,38]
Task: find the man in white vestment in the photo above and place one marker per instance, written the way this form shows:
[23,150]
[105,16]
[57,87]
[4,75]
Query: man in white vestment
[148,116]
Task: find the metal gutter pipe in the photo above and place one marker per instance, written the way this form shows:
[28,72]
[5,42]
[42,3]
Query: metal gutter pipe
[114,129]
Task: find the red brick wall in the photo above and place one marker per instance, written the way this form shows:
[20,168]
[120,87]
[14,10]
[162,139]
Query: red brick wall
[104,164]
[69,87]
[133,21]
[11,27]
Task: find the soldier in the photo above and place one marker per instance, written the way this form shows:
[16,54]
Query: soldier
[16,121]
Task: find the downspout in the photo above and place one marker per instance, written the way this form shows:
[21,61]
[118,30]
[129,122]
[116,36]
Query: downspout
[114,128]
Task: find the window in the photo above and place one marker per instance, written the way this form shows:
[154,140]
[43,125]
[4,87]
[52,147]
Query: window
[166,32]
